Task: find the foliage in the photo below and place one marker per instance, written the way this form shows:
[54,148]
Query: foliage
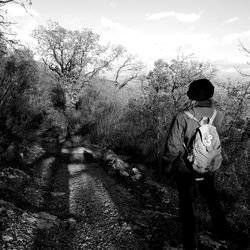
[18,73]
[233,180]
[97,115]
[69,53]
[233,100]
[18,119]
[26,106]
[173,78]
[139,128]
[75,57]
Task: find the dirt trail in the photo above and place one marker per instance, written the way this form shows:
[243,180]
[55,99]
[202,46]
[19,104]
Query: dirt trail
[104,208]
[97,210]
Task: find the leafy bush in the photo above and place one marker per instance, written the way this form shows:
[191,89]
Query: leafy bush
[233,179]
[97,115]
[28,104]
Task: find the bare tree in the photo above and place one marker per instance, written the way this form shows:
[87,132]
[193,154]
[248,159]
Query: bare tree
[127,69]
[246,51]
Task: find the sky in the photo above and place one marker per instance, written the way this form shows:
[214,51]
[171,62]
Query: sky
[157,29]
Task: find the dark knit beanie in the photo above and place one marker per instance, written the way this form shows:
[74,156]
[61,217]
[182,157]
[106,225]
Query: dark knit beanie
[200,90]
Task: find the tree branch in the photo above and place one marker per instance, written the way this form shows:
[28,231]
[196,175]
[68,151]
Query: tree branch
[6,1]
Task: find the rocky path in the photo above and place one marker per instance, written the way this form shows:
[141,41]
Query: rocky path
[83,208]
[86,208]
[96,210]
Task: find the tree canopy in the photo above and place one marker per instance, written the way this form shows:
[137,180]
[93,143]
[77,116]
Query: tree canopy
[171,79]
[74,57]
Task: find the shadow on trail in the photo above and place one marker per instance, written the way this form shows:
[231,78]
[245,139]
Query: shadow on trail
[82,193]
[53,172]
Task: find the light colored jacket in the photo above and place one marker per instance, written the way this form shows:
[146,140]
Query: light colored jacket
[183,129]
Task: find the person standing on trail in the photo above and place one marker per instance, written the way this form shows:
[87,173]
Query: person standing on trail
[182,131]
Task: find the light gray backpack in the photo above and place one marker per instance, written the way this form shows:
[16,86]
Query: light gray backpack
[204,152]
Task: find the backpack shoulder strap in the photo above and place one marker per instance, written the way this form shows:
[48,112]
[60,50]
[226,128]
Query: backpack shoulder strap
[191,116]
[211,120]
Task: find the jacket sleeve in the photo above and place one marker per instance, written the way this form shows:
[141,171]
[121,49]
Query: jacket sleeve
[218,122]
[174,144]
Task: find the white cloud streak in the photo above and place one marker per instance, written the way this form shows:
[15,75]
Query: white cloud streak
[182,17]
[230,20]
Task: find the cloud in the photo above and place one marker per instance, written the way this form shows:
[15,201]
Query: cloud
[182,17]
[150,48]
[158,46]
[230,20]
[237,37]
[204,45]
[117,27]
[199,44]
[107,23]
[117,33]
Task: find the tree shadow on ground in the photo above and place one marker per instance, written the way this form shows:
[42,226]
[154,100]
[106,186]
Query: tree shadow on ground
[56,201]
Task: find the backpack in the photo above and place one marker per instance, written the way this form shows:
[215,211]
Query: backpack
[204,153]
